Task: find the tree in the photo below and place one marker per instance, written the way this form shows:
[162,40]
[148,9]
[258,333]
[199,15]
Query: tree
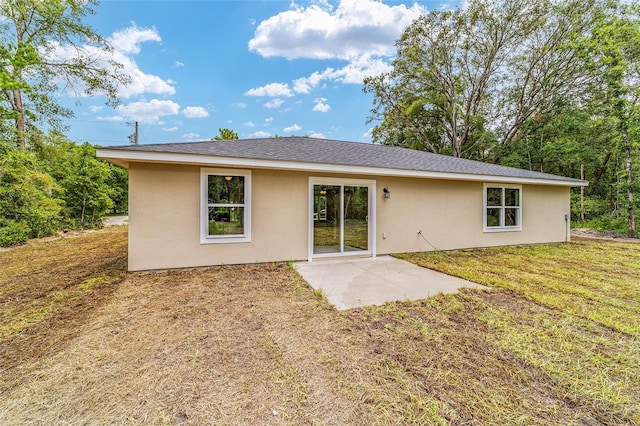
[226,135]
[465,82]
[83,180]
[45,48]
[612,52]
[118,182]
[28,205]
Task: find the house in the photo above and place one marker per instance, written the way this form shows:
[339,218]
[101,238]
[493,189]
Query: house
[298,198]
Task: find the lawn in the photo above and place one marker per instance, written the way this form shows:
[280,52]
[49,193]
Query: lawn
[556,341]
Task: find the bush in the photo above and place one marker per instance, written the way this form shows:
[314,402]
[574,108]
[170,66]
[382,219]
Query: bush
[12,233]
[27,194]
[609,223]
[593,207]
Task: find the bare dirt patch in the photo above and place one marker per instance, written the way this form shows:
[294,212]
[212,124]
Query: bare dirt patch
[602,235]
[58,236]
[224,345]
[254,345]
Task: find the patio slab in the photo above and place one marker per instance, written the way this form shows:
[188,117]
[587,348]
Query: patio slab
[351,283]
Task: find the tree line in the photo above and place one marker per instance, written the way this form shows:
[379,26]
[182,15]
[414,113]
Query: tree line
[545,85]
[47,182]
[56,185]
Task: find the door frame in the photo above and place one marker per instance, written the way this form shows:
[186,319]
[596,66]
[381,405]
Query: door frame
[371,185]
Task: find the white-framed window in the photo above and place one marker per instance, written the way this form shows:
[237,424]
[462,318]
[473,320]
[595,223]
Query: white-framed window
[225,206]
[502,207]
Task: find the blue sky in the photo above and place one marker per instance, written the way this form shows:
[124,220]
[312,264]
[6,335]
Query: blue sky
[260,68]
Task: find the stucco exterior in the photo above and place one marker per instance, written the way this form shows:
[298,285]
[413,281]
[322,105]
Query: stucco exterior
[449,214]
[164,216]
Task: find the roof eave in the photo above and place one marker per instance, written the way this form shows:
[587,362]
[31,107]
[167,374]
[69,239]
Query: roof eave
[123,157]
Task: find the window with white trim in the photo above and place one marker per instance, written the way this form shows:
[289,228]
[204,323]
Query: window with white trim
[502,208]
[225,205]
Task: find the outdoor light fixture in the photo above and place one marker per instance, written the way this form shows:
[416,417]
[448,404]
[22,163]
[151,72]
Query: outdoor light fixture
[323,192]
[387,193]
[228,178]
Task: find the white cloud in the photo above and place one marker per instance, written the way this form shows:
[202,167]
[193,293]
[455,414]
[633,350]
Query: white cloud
[361,32]
[321,105]
[359,68]
[190,137]
[194,112]
[169,129]
[317,135]
[268,119]
[126,43]
[272,90]
[114,118]
[368,133]
[293,128]
[353,73]
[260,134]
[178,64]
[149,112]
[128,40]
[305,84]
[95,108]
[275,103]
[141,82]
[353,29]
[249,124]
[240,105]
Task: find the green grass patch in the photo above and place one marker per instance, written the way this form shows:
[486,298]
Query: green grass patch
[567,311]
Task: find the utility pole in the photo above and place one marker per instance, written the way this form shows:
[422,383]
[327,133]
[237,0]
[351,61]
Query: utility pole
[133,139]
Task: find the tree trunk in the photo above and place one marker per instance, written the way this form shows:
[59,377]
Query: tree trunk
[84,205]
[18,107]
[599,172]
[582,195]
[16,97]
[616,205]
[629,170]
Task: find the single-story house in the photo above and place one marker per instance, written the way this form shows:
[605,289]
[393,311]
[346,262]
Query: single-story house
[297,198]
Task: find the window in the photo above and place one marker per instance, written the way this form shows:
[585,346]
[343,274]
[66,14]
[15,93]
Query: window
[225,206]
[502,208]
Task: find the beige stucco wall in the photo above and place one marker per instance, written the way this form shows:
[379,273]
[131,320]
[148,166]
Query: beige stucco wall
[449,214]
[164,217]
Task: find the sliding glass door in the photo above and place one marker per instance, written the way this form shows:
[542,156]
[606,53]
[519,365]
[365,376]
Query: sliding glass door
[327,232]
[355,218]
[340,218]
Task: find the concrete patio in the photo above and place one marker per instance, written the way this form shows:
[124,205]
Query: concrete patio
[351,283]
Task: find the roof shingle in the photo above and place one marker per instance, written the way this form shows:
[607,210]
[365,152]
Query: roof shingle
[323,151]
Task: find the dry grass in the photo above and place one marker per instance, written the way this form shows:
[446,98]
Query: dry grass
[254,345]
[47,289]
[569,311]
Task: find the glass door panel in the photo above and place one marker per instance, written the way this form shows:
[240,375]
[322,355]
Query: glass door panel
[340,219]
[356,218]
[327,220]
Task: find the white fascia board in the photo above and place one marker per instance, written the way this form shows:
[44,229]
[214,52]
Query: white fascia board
[117,156]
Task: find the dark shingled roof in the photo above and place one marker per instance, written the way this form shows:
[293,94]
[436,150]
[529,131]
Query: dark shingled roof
[323,151]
